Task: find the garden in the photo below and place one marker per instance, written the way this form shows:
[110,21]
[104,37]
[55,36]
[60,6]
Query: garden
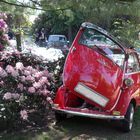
[26,81]
[30,73]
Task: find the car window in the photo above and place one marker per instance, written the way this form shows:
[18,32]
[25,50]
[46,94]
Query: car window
[56,38]
[62,39]
[99,42]
[133,64]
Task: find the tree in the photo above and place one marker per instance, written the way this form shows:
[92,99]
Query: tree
[101,12]
[66,16]
[17,18]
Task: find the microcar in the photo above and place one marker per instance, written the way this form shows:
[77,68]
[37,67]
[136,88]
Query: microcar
[101,78]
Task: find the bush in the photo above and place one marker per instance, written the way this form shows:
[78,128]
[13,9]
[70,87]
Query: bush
[3,30]
[25,84]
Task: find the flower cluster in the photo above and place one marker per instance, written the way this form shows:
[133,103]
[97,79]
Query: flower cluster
[19,81]
[25,85]
[26,82]
[3,30]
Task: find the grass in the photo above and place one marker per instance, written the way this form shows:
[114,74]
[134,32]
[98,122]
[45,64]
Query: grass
[79,129]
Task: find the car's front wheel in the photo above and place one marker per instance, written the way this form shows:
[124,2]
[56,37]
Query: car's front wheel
[127,123]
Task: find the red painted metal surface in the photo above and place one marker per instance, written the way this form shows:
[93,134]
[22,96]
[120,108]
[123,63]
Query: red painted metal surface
[96,71]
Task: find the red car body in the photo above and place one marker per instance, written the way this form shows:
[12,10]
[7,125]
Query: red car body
[101,73]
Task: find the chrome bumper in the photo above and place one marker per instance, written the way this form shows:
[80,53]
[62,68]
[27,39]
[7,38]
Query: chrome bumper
[78,113]
[98,116]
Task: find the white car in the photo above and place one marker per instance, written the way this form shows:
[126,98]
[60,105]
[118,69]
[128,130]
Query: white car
[58,41]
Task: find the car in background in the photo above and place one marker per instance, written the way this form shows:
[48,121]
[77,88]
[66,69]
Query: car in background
[58,41]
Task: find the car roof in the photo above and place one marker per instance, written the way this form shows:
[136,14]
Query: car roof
[104,32]
[58,35]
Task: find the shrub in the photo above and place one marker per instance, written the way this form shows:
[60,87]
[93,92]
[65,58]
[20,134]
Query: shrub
[25,84]
[3,30]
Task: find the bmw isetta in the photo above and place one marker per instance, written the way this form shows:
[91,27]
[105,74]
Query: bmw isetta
[101,78]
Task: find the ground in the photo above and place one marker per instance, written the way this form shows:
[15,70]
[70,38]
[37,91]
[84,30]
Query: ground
[78,128]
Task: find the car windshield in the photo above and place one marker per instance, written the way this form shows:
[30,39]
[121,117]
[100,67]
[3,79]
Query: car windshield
[56,38]
[104,45]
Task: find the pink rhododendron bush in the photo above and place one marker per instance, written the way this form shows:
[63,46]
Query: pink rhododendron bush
[26,81]
[25,84]
[3,31]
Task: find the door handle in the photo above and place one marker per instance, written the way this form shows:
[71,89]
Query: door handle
[73,49]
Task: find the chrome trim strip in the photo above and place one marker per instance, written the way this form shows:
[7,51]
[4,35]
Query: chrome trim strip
[132,73]
[98,116]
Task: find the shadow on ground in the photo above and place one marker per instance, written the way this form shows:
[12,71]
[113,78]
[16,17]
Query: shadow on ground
[79,128]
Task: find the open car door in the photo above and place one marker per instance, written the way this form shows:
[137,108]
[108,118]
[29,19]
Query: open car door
[94,68]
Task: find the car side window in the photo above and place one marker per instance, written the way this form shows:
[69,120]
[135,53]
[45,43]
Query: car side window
[133,64]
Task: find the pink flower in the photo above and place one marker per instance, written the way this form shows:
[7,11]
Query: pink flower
[15,73]
[30,78]
[24,114]
[26,72]
[2,73]
[5,37]
[2,24]
[43,80]
[31,89]
[45,72]
[19,66]
[10,69]
[7,96]
[20,86]
[15,96]
[38,74]
[29,68]
[37,85]
[22,78]
[1,83]
[45,92]
[1,47]
[50,75]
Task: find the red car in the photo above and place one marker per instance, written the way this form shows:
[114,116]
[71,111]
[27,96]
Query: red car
[101,78]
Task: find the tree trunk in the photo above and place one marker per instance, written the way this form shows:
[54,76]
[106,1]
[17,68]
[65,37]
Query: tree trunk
[70,34]
[18,40]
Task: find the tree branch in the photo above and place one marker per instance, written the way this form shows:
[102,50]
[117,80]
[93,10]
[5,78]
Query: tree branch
[35,2]
[28,6]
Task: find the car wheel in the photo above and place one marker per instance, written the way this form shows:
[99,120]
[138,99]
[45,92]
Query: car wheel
[60,117]
[128,121]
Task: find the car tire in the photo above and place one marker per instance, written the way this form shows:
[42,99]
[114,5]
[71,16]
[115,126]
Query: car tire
[127,123]
[60,116]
